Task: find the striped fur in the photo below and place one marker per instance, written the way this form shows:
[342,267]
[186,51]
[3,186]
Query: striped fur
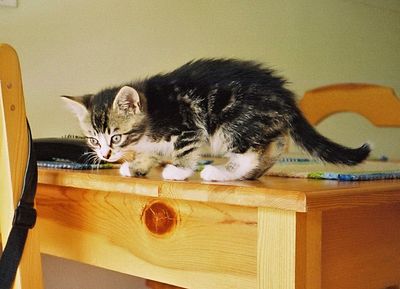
[239,109]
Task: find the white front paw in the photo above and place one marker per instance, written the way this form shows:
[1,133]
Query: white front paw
[213,173]
[124,170]
[130,170]
[172,172]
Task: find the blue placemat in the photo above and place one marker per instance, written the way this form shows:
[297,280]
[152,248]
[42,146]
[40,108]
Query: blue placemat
[314,169]
[72,165]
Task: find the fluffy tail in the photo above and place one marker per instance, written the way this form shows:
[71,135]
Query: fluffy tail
[319,146]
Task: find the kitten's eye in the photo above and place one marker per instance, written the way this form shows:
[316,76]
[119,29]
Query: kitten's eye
[116,139]
[94,142]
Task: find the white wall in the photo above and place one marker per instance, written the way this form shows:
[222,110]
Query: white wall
[75,47]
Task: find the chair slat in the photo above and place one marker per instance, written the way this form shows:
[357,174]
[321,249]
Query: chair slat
[13,157]
[379,104]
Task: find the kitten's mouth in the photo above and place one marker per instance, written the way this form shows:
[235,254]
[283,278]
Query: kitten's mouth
[111,159]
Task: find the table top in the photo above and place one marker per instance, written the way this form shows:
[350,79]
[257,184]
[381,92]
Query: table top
[300,195]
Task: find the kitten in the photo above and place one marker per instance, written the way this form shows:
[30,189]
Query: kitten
[238,108]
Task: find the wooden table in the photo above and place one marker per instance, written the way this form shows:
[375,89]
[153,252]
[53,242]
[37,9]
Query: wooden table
[273,233]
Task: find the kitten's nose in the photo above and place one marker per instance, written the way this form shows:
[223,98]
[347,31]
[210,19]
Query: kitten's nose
[108,155]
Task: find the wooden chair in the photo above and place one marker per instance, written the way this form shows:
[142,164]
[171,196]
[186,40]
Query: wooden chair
[379,104]
[13,158]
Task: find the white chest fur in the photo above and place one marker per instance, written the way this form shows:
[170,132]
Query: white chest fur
[164,148]
[218,143]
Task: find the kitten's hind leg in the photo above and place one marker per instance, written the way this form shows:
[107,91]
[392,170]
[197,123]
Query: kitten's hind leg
[238,166]
[249,165]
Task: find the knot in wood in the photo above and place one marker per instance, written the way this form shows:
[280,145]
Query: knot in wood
[159,218]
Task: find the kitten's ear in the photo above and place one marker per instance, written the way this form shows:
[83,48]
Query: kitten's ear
[77,105]
[127,100]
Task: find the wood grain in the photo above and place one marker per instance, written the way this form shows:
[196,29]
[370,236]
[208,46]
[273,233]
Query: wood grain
[13,157]
[299,195]
[210,246]
[361,247]
[308,250]
[276,249]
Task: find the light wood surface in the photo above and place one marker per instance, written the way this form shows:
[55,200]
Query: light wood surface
[378,104]
[272,233]
[13,153]
[299,195]
[276,241]
[173,241]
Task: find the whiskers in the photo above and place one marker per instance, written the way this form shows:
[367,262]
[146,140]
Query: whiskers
[92,159]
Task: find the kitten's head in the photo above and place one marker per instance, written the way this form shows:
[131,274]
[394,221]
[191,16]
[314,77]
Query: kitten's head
[111,120]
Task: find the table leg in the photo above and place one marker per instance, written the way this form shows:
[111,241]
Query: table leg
[276,249]
[308,250]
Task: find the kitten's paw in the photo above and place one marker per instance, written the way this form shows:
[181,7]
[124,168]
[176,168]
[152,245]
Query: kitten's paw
[215,174]
[172,172]
[126,170]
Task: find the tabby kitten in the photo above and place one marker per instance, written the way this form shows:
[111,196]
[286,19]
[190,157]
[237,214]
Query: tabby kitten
[237,108]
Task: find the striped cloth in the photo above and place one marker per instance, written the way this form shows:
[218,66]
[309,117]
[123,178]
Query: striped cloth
[303,167]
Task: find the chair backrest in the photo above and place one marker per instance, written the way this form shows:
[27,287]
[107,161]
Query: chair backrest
[13,158]
[378,104]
